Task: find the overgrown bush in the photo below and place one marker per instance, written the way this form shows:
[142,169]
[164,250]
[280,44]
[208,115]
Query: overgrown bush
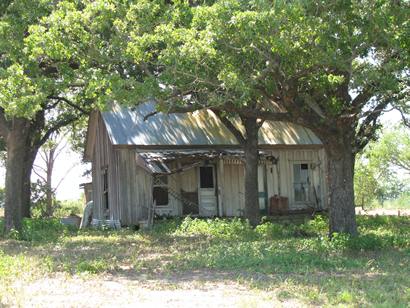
[60,208]
[217,227]
[68,207]
[41,230]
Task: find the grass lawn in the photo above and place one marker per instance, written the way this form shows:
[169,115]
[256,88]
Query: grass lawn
[208,263]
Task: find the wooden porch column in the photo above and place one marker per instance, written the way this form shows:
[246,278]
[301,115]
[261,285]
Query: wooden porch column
[220,181]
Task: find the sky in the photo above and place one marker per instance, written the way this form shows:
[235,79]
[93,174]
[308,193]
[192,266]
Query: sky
[69,168]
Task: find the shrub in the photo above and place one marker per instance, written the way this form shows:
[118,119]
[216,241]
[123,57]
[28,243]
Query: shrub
[217,227]
[68,207]
[41,230]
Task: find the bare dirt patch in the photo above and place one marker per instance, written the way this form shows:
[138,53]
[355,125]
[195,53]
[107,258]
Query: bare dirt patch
[192,289]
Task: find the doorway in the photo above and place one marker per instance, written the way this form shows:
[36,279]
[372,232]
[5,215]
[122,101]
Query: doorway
[207,191]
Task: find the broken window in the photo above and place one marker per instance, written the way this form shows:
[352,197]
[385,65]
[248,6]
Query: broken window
[160,190]
[301,182]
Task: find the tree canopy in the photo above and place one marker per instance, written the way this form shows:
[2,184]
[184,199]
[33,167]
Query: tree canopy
[334,67]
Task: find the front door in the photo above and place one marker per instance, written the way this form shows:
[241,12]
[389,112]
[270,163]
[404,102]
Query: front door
[207,193]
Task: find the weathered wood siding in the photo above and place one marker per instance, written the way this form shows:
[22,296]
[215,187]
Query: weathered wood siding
[233,185]
[129,186]
[103,158]
[134,188]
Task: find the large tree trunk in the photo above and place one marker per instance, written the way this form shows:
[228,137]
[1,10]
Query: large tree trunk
[251,171]
[16,181]
[341,189]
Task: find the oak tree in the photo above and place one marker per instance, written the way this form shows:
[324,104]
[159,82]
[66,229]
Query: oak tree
[331,66]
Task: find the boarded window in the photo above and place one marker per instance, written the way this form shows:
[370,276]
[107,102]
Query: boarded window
[160,190]
[206,177]
[301,182]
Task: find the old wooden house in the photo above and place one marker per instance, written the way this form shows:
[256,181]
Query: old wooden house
[182,164]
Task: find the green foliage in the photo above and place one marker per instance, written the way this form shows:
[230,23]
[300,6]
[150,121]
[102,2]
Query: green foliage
[41,230]
[68,207]
[13,266]
[61,208]
[93,267]
[366,184]
[392,149]
[380,169]
[217,228]
[38,199]
[234,53]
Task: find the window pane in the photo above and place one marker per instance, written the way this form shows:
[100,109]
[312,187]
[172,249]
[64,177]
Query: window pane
[160,195]
[296,173]
[301,192]
[206,177]
[301,182]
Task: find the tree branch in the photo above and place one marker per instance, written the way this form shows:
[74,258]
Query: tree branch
[69,102]
[56,127]
[229,125]
[369,126]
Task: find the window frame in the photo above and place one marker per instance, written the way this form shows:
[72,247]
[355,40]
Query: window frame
[308,182]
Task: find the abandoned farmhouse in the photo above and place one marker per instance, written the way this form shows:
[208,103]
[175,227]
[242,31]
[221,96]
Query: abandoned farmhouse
[191,164]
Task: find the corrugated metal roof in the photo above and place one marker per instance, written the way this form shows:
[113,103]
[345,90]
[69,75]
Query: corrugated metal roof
[126,126]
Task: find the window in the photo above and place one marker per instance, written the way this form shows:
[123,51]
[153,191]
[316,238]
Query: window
[301,182]
[206,177]
[105,189]
[160,190]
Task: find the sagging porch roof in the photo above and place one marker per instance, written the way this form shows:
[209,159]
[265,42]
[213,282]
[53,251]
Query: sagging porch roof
[156,162]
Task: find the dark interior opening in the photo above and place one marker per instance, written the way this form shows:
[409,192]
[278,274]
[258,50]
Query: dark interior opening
[105,189]
[206,177]
[160,195]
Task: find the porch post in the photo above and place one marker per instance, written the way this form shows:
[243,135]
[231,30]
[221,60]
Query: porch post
[220,179]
